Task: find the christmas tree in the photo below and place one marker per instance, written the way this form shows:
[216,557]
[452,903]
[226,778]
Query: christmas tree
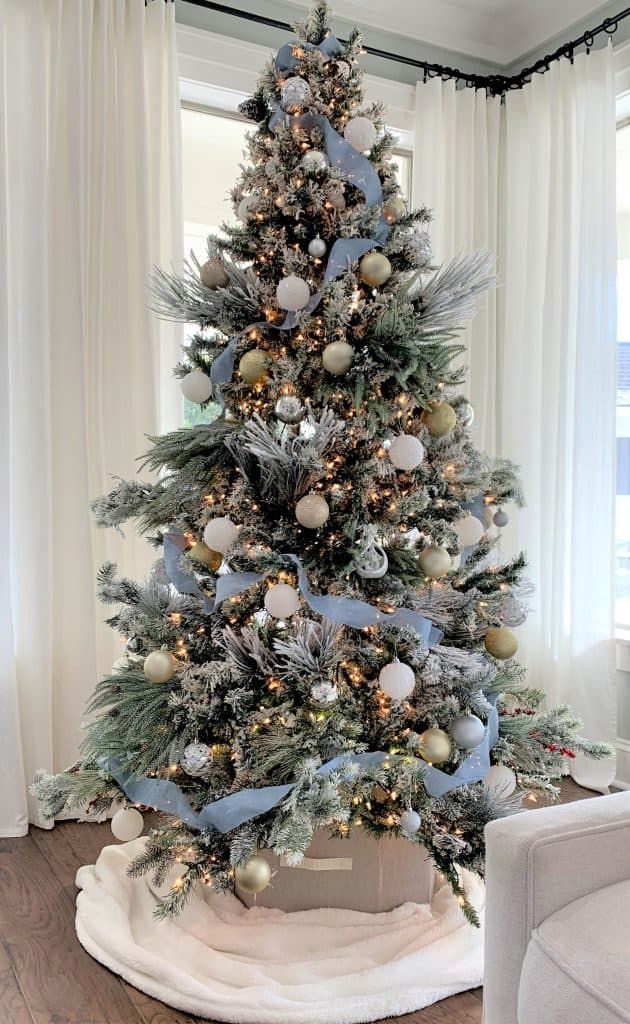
[327,640]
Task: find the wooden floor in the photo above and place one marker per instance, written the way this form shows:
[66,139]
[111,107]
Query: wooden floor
[45,975]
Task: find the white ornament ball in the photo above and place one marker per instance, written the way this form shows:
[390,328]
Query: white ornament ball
[410,822]
[337,357]
[127,824]
[467,731]
[312,511]
[406,452]
[466,415]
[293,293]
[196,386]
[500,518]
[195,759]
[435,562]
[360,133]
[294,93]
[314,161]
[254,875]
[289,409]
[282,601]
[246,208]
[160,666]
[469,530]
[317,246]
[220,534]
[397,680]
[501,780]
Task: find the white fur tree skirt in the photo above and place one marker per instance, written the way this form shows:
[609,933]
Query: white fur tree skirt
[259,966]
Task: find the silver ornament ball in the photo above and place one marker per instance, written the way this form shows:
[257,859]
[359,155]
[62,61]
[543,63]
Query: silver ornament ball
[314,161]
[467,731]
[317,246]
[466,415]
[289,409]
[500,518]
[410,821]
[196,759]
[294,93]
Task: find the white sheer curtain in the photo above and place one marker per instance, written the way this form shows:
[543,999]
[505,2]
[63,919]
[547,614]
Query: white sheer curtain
[90,199]
[542,375]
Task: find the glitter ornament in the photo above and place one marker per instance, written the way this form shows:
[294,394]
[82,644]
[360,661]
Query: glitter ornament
[254,875]
[501,643]
[312,511]
[410,822]
[314,161]
[289,409]
[435,562]
[324,693]
[342,69]
[500,518]
[465,415]
[270,167]
[394,209]
[434,746]
[160,666]
[213,274]
[196,386]
[406,452]
[294,93]
[500,780]
[220,534]
[196,759]
[360,133]
[420,245]
[397,680]
[200,552]
[467,731]
[253,366]
[337,357]
[293,293]
[282,601]
[469,530]
[127,824]
[317,246]
[375,269]
[439,419]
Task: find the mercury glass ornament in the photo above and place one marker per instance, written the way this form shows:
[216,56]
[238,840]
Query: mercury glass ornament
[500,518]
[500,780]
[501,642]
[394,209]
[406,452]
[160,666]
[196,759]
[469,530]
[439,419]
[410,821]
[127,824]
[254,875]
[200,552]
[293,293]
[134,644]
[317,246]
[282,601]
[466,415]
[289,409]
[324,693]
[467,731]
[295,92]
[196,386]
[253,366]
[434,745]
[420,245]
[337,357]
[397,680]
[312,511]
[360,133]
[435,562]
[314,161]
[213,274]
[375,269]
[220,534]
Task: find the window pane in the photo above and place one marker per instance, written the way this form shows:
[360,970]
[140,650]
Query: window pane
[622,527]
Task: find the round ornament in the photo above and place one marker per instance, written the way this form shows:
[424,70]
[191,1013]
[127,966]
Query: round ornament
[200,552]
[314,161]
[337,357]
[282,601]
[500,518]
[397,680]
[465,415]
[500,780]
[254,875]
[213,274]
[196,759]
[410,821]
[375,269]
[294,93]
[439,419]
[394,209]
[312,511]
[342,69]
[406,452]
[434,561]
[317,246]
[196,386]
[501,643]
[220,534]
[360,133]
[469,530]
[246,208]
[127,824]
[434,745]
[253,366]
[467,731]
[420,245]
[324,693]
[134,644]
[289,409]
[160,666]
[293,293]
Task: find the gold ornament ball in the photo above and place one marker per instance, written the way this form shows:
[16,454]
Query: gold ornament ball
[312,511]
[501,643]
[214,275]
[435,562]
[394,209]
[254,875]
[253,366]
[440,419]
[337,357]
[200,552]
[375,269]
[435,746]
[160,666]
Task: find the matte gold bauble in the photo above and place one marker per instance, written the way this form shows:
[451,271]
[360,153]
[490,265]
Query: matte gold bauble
[160,666]
[375,269]
[435,746]
[337,357]
[501,643]
[254,875]
[200,552]
[435,562]
[253,366]
[394,209]
[214,275]
[439,419]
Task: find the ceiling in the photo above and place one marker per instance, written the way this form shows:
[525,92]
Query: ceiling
[499,31]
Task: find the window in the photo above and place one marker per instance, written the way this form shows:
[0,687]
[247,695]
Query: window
[622,525]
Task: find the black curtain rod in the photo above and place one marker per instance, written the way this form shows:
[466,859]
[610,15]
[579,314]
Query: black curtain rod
[496,85]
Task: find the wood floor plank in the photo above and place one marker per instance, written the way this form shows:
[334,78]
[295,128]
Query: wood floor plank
[12,1002]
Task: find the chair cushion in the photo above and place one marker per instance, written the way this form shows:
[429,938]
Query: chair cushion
[576,966]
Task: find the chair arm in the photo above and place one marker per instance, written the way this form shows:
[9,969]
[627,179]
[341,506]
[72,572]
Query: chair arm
[537,862]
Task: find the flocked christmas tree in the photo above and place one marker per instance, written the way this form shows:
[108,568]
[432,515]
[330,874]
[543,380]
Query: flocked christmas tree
[365,659]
